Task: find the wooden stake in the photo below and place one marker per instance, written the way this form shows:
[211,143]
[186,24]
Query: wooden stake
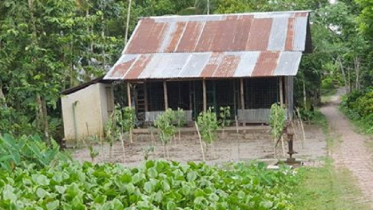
[204,96]
[129,98]
[242,96]
[200,141]
[301,125]
[165,95]
[238,141]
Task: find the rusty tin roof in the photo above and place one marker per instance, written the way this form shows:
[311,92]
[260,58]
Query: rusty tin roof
[215,46]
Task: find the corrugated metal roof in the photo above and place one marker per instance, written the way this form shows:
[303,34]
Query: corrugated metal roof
[206,65]
[214,46]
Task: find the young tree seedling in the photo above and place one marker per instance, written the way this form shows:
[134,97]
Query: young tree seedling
[166,128]
[208,126]
[180,120]
[225,114]
[277,119]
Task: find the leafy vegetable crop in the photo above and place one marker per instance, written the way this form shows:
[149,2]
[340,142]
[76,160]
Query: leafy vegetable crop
[17,152]
[153,185]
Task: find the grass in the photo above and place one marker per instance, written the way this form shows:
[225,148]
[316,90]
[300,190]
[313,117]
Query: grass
[327,187]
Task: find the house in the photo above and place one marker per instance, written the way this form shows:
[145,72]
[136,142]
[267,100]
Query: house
[85,110]
[244,61]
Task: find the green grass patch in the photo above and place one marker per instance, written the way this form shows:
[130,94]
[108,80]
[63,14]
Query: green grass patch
[327,188]
[362,125]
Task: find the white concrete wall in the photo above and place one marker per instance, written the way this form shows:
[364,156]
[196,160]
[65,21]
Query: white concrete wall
[91,113]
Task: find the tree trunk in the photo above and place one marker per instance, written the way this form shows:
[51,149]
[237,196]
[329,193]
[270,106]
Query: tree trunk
[357,71]
[127,22]
[343,72]
[304,93]
[43,117]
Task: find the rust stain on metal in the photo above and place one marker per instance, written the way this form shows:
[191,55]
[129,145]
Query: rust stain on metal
[121,69]
[266,64]
[176,36]
[228,66]
[290,34]
[224,36]
[259,34]
[139,66]
[207,37]
[148,37]
[211,66]
[241,34]
[190,38]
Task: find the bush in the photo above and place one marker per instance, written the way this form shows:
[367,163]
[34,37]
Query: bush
[358,106]
[26,150]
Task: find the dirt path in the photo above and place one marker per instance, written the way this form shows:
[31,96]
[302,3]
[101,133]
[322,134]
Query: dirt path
[351,152]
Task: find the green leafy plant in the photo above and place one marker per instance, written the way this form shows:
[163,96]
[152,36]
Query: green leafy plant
[24,150]
[111,132]
[129,121]
[277,120]
[225,114]
[208,126]
[153,185]
[180,120]
[93,153]
[164,123]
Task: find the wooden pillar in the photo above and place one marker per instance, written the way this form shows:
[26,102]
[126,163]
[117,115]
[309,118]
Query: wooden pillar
[145,97]
[129,98]
[242,94]
[165,95]
[190,96]
[204,96]
[280,87]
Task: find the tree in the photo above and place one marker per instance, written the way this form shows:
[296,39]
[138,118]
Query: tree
[208,126]
[164,124]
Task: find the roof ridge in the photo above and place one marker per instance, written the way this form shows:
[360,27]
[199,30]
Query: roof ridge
[228,14]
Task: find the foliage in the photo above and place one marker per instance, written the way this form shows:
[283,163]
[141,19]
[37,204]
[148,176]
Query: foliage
[225,114]
[208,125]
[358,106]
[166,128]
[153,185]
[327,187]
[129,118]
[180,117]
[28,150]
[277,119]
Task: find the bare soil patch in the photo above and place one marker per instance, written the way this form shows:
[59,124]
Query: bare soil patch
[248,144]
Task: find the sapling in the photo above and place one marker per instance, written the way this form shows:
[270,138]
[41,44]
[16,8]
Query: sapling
[208,126]
[225,114]
[166,128]
[93,153]
[180,120]
[277,119]
[113,127]
[110,133]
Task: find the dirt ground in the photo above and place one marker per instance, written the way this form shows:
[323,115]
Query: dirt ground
[351,151]
[249,144]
